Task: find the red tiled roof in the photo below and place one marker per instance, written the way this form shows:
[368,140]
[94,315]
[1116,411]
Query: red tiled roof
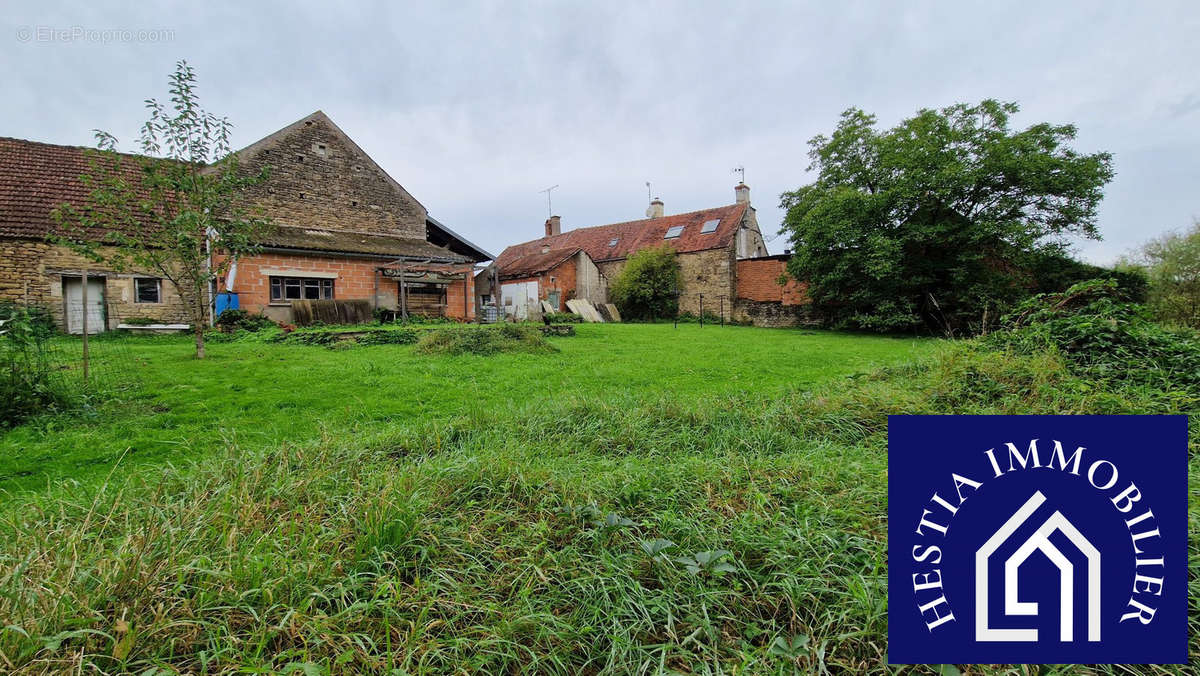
[37,177]
[536,263]
[634,235]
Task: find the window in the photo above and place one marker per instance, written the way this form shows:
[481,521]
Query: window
[673,232]
[147,290]
[710,226]
[286,289]
[613,241]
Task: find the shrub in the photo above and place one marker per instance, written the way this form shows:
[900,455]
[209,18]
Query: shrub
[1094,327]
[235,320]
[37,318]
[485,341]
[27,385]
[562,318]
[649,284]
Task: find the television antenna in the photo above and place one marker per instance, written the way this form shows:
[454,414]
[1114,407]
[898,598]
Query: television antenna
[549,206]
[739,169]
[648,197]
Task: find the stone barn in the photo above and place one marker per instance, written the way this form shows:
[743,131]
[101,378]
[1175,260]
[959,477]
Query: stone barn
[347,230]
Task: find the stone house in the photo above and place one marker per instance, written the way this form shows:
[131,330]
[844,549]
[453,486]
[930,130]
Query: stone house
[347,230]
[709,244]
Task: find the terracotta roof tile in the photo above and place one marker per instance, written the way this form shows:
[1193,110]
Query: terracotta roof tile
[37,177]
[536,263]
[631,236]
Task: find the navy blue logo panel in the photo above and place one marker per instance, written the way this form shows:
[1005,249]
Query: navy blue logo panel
[1037,539]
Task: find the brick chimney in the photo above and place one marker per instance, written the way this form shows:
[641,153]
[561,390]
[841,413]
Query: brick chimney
[741,192]
[553,226]
[656,208]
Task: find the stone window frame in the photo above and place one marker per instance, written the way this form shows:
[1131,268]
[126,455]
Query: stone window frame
[279,287]
[137,290]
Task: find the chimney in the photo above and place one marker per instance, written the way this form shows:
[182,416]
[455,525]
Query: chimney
[741,192]
[553,226]
[656,208]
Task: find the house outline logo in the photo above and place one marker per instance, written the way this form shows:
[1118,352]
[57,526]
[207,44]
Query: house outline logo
[1039,541]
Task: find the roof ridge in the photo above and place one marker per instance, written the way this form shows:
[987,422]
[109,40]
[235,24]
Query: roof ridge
[656,218]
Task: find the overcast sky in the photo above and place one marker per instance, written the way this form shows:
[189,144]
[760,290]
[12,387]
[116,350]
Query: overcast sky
[475,107]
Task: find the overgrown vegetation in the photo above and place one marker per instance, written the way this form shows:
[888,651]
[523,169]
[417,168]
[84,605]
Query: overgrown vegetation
[608,533]
[939,223]
[648,287]
[1172,263]
[240,320]
[28,385]
[562,318]
[487,340]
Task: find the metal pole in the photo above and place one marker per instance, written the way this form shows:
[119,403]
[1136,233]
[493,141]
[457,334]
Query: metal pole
[84,298]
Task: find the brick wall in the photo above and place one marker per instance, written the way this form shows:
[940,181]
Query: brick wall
[758,280]
[32,272]
[763,301]
[564,275]
[354,278]
[320,179]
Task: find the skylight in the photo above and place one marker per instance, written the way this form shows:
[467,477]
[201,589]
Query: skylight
[673,232]
[613,241]
[710,226]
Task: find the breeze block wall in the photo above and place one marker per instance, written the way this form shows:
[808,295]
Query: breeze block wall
[354,278]
[763,301]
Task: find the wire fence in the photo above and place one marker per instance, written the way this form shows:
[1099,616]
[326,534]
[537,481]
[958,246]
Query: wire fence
[43,370]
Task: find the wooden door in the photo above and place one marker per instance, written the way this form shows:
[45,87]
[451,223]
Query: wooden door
[73,304]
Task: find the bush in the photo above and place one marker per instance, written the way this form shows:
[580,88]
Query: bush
[27,385]
[1103,335]
[240,320]
[37,318]
[563,318]
[648,285]
[485,341]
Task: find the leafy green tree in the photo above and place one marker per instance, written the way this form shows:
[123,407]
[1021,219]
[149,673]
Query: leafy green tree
[1172,264]
[928,224]
[179,205]
[648,286]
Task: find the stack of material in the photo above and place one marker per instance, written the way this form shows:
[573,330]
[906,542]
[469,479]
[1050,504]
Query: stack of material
[547,307]
[613,312]
[307,312]
[585,310]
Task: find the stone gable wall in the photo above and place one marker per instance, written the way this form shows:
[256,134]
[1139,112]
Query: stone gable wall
[319,180]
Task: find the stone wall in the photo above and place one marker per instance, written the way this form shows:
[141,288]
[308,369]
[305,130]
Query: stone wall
[32,272]
[710,273]
[320,179]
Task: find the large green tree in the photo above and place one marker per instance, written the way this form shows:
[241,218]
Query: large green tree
[649,284]
[928,224]
[180,204]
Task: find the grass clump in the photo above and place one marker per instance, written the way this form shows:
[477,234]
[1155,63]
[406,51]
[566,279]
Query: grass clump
[488,340]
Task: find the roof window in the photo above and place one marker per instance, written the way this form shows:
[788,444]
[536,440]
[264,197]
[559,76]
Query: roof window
[710,226]
[673,232]
[613,241]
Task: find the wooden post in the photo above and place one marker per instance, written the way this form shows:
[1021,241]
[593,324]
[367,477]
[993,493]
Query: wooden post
[701,310]
[84,297]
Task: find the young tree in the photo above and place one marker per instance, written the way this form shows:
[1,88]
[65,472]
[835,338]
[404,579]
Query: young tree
[180,203]
[927,224]
[1172,263]
[648,285]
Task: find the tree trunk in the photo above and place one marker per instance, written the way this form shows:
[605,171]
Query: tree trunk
[199,340]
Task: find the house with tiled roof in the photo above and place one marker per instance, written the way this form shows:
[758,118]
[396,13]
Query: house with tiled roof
[708,243]
[346,230]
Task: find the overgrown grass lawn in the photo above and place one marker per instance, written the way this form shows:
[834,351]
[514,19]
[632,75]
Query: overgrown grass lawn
[266,395]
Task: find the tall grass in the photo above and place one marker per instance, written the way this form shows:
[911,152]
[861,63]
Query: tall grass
[584,536]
